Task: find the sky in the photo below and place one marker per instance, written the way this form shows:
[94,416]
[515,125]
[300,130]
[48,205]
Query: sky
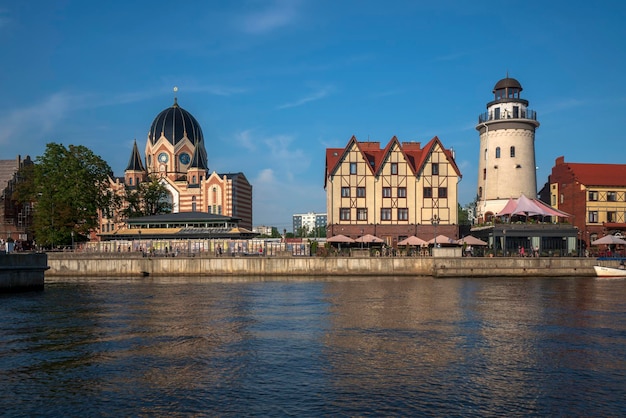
[274,83]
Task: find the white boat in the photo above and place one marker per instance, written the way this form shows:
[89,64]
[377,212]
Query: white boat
[610,272]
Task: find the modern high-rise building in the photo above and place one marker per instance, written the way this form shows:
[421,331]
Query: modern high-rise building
[310,221]
[506,163]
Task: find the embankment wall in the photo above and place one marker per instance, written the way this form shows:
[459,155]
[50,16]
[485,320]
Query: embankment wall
[22,271]
[131,264]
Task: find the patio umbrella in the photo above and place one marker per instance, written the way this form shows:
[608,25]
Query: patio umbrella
[609,240]
[342,239]
[412,240]
[369,239]
[442,239]
[471,240]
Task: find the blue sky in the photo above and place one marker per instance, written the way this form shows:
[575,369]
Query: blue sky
[274,83]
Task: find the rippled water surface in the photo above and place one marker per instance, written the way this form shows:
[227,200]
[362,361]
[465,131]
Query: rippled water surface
[357,347]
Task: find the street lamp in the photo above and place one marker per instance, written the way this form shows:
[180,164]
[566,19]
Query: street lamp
[435,221]
[504,243]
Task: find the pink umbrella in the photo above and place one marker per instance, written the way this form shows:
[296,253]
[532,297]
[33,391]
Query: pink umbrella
[342,239]
[369,239]
[412,240]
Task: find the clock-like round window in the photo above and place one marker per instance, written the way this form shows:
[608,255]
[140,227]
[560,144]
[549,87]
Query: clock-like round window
[163,157]
[184,158]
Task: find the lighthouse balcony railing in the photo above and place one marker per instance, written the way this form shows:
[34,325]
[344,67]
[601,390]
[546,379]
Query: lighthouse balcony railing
[491,116]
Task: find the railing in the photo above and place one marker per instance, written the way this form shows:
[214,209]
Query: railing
[490,116]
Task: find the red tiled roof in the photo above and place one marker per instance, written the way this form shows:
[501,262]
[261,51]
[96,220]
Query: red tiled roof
[599,174]
[414,154]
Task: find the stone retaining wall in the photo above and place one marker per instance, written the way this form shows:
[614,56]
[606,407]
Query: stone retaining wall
[22,271]
[131,264]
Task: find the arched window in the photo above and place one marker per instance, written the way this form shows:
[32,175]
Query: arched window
[480,192]
[193,203]
[498,152]
[512,152]
[130,181]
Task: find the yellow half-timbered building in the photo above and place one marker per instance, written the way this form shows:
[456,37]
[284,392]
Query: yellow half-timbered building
[394,192]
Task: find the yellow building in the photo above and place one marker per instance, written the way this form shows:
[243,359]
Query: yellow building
[392,193]
[175,153]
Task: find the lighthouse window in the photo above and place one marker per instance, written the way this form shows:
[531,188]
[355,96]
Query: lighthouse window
[498,152]
[516,112]
[512,152]
[496,113]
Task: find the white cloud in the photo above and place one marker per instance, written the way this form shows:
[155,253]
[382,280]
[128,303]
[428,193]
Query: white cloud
[245,139]
[320,94]
[280,14]
[36,120]
[276,199]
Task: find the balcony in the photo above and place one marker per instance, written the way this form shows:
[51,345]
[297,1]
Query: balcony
[523,115]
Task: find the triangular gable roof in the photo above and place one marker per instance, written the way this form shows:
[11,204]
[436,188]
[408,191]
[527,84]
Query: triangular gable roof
[385,155]
[334,156]
[422,156]
[598,174]
[415,156]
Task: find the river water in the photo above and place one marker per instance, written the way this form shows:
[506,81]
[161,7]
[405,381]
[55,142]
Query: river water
[344,347]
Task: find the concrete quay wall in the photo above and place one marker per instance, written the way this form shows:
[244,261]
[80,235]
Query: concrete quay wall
[131,264]
[22,271]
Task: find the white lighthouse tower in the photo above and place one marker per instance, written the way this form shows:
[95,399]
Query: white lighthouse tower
[506,167]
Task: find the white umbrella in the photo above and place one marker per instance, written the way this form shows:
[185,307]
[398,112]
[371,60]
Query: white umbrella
[609,240]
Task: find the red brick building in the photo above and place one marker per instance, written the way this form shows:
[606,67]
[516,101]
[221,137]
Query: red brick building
[594,194]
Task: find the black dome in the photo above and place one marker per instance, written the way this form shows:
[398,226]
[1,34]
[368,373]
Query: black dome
[507,83]
[174,122]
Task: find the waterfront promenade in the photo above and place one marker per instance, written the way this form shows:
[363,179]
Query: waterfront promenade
[133,264]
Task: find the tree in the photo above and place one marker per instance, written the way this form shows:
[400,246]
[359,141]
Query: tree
[463,215]
[148,198]
[70,186]
[156,198]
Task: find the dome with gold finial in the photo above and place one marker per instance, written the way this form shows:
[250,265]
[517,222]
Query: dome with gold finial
[175,123]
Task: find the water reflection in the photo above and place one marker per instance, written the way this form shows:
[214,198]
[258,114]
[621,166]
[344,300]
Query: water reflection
[365,346]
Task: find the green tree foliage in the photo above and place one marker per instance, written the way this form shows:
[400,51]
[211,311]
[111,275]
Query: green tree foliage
[70,186]
[463,215]
[317,232]
[148,198]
